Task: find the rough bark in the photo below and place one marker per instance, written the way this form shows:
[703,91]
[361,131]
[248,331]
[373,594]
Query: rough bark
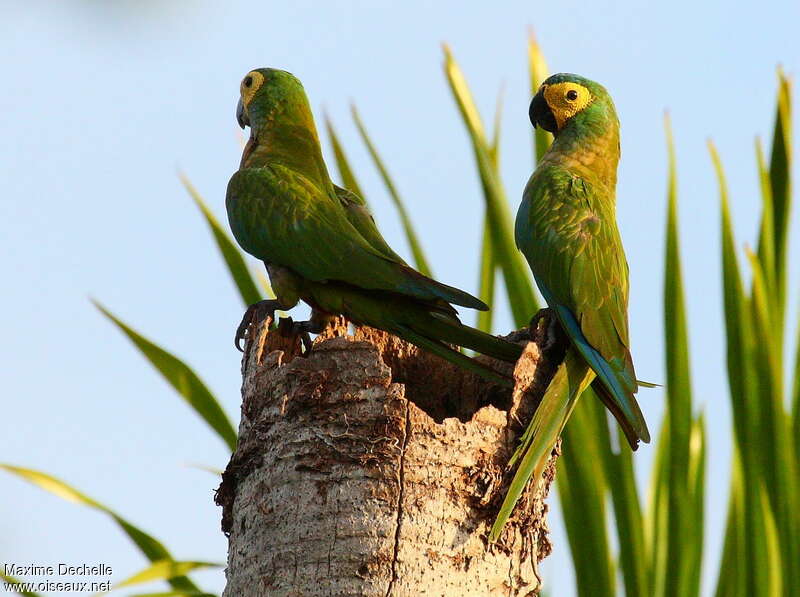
[372,468]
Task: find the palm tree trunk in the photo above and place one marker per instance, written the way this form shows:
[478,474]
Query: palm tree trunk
[373,468]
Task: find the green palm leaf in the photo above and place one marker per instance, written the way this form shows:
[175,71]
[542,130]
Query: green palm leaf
[655,526]
[621,482]
[780,184]
[509,259]
[181,377]
[697,485]
[744,402]
[488,264]
[796,401]
[538,72]
[732,580]
[486,278]
[766,244]
[342,163]
[683,548]
[416,249]
[582,488]
[166,569]
[229,251]
[778,463]
[151,547]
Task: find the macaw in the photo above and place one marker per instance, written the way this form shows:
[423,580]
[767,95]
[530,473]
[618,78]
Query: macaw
[320,243]
[566,228]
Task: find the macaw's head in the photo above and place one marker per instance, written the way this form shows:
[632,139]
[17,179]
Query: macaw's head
[564,99]
[274,105]
[271,97]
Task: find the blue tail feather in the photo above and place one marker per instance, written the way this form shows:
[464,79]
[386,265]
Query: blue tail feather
[622,403]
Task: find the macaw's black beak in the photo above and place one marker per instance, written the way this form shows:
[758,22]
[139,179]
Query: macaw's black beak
[241,115]
[541,114]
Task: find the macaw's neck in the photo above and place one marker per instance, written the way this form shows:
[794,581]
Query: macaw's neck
[292,146]
[588,146]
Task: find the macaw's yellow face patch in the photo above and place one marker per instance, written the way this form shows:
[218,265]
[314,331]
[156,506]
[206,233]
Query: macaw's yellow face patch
[250,84]
[565,100]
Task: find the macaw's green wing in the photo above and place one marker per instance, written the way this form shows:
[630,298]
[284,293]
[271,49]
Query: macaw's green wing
[348,198]
[285,219]
[359,216]
[568,234]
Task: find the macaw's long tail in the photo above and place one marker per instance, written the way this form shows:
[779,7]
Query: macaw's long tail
[451,330]
[572,377]
[431,325]
[612,386]
[630,427]
[436,332]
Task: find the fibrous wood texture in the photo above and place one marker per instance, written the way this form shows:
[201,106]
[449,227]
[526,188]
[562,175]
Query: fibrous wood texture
[372,468]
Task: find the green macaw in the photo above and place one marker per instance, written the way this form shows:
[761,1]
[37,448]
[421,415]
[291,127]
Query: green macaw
[320,244]
[566,229]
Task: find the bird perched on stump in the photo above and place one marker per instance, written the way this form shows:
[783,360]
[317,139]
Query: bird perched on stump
[566,228]
[320,244]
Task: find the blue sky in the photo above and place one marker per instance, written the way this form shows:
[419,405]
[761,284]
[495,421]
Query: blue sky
[104,102]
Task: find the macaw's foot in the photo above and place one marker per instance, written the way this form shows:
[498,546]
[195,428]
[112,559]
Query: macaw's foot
[304,329]
[255,312]
[551,330]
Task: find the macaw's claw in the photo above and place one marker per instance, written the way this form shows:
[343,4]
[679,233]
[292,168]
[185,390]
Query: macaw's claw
[552,336]
[538,316]
[255,312]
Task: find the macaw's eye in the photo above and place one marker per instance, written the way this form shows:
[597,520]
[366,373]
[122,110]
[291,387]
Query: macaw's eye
[572,95]
[248,80]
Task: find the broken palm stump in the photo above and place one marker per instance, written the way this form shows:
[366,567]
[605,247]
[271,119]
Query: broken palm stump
[370,467]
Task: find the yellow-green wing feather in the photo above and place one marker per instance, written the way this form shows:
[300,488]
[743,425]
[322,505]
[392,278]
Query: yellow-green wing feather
[359,216]
[284,218]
